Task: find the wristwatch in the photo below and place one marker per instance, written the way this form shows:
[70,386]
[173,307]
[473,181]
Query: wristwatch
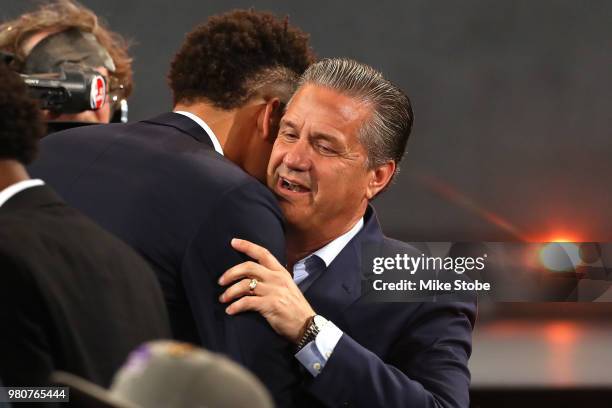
[312,327]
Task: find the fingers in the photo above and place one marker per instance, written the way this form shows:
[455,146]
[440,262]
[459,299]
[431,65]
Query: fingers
[260,254]
[247,269]
[244,304]
[243,288]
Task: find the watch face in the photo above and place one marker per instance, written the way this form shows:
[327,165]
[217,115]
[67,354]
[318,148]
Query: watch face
[320,321]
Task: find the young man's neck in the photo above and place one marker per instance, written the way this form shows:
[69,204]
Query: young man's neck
[219,120]
[11,172]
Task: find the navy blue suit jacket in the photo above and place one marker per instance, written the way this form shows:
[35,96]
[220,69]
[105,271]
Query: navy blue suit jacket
[391,354]
[160,186]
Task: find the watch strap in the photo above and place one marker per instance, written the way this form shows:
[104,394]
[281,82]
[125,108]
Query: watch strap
[309,334]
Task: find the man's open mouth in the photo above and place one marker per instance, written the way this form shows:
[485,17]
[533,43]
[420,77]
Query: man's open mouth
[292,186]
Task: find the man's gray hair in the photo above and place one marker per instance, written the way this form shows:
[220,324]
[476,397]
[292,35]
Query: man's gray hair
[385,134]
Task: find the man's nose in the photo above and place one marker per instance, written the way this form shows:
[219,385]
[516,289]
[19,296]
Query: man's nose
[298,155]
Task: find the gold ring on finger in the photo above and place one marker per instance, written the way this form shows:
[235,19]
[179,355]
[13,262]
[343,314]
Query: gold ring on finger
[253,285]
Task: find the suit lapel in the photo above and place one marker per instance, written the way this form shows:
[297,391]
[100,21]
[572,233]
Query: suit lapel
[183,124]
[340,284]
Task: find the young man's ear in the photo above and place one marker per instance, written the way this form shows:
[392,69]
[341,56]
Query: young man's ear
[269,118]
[380,177]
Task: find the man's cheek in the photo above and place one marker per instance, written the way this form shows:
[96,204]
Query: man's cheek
[272,165]
[276,157]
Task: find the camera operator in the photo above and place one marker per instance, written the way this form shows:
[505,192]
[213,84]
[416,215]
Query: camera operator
[66,37]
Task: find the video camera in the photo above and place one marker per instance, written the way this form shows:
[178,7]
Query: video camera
[72,90]
[59,73]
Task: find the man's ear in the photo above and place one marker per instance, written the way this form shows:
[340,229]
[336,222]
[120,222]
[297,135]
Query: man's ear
[268,120]
[380,177]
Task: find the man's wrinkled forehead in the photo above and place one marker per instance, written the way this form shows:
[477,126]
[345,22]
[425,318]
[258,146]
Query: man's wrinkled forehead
[69,46]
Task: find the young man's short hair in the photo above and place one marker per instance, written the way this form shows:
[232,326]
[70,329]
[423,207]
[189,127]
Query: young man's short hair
[226,59]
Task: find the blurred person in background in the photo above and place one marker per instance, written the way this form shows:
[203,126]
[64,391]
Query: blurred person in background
[72,297]
[171,374]
[66,35]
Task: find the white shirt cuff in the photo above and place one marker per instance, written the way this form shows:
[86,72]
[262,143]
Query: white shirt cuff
[314,355]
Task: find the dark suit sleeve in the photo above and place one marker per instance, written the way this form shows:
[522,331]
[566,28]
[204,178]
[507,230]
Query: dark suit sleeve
[248,212]
[25,357]
[427,367]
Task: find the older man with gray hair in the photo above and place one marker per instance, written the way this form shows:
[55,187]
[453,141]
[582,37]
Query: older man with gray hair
[339,145]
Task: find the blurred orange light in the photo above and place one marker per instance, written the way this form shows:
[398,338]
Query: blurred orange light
[562,333]
[564,238]
[556,236]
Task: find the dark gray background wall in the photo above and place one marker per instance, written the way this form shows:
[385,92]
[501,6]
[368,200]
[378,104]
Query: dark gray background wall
[512,138]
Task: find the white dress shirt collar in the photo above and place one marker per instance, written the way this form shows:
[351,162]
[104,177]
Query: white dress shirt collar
[330,251]
[13,189]
[203,125]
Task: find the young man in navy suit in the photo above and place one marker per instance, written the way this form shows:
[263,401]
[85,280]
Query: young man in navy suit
[176,187]
[340,142]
